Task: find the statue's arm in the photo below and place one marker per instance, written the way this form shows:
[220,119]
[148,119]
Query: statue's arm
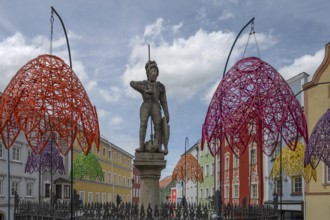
[138,85]
[163,102]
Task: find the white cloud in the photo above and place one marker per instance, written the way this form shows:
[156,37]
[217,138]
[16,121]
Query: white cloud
[91,85]
[14,53]
[201,14]
[112,95]
[226,15]
[155,29]
[307,63]
[188,66]
[116,121]
[101,113]
[176,28]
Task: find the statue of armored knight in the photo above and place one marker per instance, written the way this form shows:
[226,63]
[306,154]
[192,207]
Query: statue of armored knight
[154,100]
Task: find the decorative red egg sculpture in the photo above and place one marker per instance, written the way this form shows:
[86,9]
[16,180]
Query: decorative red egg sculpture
[253,101]
[47,101]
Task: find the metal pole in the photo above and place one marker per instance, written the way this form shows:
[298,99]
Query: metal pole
[51,172]
[197,172]
[250,177]
[220,161]
[214,172]
[8,155]
[70,60]
[220,176]
[281,186]
[185,167]
[232,47]
[113,176]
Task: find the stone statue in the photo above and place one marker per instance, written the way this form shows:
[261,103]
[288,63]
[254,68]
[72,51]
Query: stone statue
[154,99]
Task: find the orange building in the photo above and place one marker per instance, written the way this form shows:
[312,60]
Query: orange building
[242,175]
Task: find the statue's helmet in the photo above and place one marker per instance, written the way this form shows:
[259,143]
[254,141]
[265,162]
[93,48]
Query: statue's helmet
[151,64]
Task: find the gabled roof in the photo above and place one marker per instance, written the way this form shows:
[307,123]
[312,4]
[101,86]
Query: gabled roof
[62,180]
[164,182]
[325,63]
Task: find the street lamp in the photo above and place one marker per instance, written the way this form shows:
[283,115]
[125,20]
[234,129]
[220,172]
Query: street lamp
[197,148]
[185,166]
[132,189]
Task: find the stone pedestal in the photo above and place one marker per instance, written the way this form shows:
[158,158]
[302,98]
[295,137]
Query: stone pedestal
[150,166]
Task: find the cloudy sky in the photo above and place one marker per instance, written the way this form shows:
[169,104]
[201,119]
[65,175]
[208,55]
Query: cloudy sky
[190,40]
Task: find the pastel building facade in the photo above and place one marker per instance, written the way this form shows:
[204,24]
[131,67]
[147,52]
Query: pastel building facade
[207,188]
[291,197]
[317,102]
[14,179]
[117,171]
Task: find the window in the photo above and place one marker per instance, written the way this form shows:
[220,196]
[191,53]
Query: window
[227,163]
[115,179]
[47,190]
[14,187]
[67,192]
[103,152]
[124,182]
[110,155]
[277,187]
[236,138]
[109,177]
[1,151]
[59,191]
[296,185]
[1,187]
[119,158]
[29,187]
[104,176]
[207,193]
[207,170]
[90,197]
[235,162]
[254,191]
[235,191]
[97,197]
[201,190]
[226,191]
[82,197]
[16,154]
[277,151]
[213,169]
[109,197]
[328,173]
[252,127]
[104,197]
[119,180]
[115,156]
[253,156]
[124,160]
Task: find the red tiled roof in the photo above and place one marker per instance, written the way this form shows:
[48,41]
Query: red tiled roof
[164,182]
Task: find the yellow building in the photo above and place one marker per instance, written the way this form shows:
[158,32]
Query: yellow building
[317,97]
[117,171]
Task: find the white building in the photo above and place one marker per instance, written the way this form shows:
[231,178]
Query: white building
[12,173]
